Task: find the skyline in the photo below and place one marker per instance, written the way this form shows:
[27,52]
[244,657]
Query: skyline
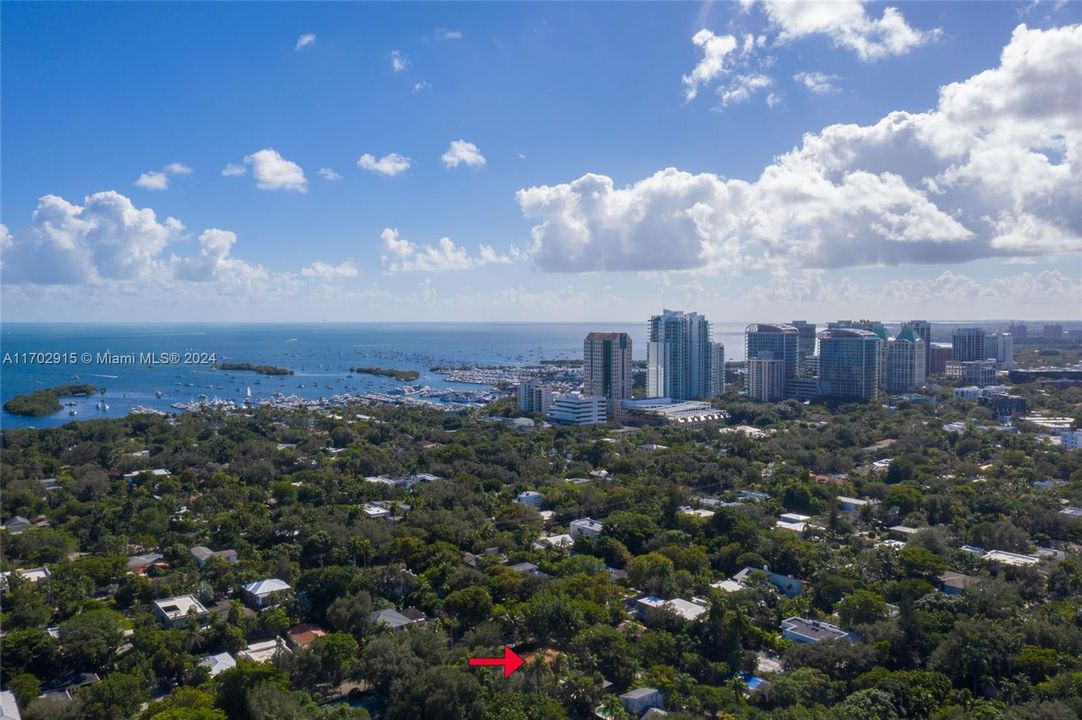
[364,163]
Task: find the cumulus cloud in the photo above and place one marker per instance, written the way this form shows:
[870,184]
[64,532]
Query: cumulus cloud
[399,62]
[105,238]
[234,170]
[847,24]
[715,49]
[214,263]
[320,270]
[461,152]
[389,164]
[274,172]
[159,179]
[445,34]
[817,82]
[993,170]
[153,180]
[742,88]
[401,255]
[329,174]
[304,41]
[420,86]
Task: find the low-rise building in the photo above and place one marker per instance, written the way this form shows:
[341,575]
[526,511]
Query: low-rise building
[787,585]
[17,524]
[803,630]
[662,410]
[217,664]
[303,635]
[139,564]
[638,701]
[175,612]
[586,527]
[265,651]
[396,621]
[954,583]
[266,593]
[574,408]
[684,608]
[972,372]
[202,555]
[530,498]
[9,709]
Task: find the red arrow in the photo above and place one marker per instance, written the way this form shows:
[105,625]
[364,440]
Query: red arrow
[510,661]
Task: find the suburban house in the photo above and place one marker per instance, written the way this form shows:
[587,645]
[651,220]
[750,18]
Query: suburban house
[174,611]
[17,525]
[586,527]
[792,521]
[201,555]
[219,663]
[802,630]
[139,564]
[265,651]
[684,608]
[789,586]
[265,593]
[303,635]
[638,701]
[399,620]
[531,498]
[955,583]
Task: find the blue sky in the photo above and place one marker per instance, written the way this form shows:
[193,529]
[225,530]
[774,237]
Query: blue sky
[566,117]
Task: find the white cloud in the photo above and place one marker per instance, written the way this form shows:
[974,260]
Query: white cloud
[234,170]
[153,180]
[819,83]
[847,25]
[773,100]
[274,172]
[400,255]
[445,34]
[399,62]
[389,164]
[715,49]
[994,170]
[304,41]
[461,152]
[178,168]
[105,238]
[214,263]
[420,86]
[325,271]
[329,174]
[742,88]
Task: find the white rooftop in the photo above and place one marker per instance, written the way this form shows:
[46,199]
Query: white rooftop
[177,607]
[218,663]
[269,585]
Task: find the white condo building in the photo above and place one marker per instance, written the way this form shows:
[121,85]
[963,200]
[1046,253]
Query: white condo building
[574,408]
[678,356]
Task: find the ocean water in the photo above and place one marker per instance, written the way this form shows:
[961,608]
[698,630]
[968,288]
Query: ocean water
[318,353]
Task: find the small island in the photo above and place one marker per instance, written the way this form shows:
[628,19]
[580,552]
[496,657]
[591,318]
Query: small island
[45,402]
[260,369]
[404,375]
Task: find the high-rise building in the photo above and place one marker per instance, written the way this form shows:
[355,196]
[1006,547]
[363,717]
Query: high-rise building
[1052,331]
[678,356]
[1001,347]
[606,367]
[849,363]
[923,329]
[781,341]
[904,368]
[972,372]
[717,369]
[766,377]
[873,326]
[1018,330]
[805,342]
[967,343]
[533,397]
[939,356]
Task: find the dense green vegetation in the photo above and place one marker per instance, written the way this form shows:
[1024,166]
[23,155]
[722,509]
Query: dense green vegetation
[1009,647]
[404,375]
[45,402]
[260,369]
